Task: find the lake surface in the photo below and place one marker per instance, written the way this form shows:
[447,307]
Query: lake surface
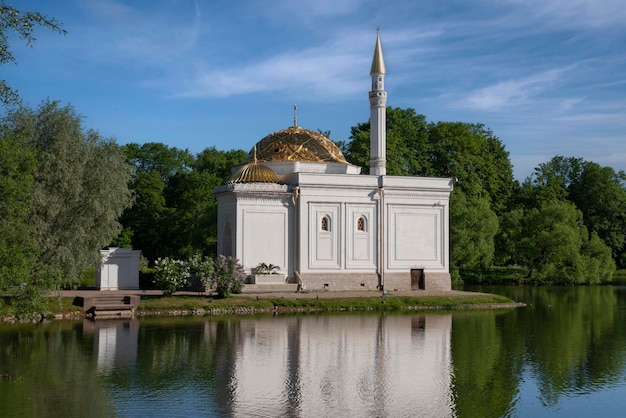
[562,355]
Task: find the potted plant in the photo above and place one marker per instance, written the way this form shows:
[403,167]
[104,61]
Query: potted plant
[267,273]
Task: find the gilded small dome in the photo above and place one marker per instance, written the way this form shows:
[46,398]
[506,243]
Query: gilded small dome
[253,173]
[296,144]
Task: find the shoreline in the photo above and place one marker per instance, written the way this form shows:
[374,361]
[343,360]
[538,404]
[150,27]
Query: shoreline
[252,302]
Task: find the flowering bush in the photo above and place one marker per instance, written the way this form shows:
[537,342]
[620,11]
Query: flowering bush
[228,276]
[170,275]
[202,267]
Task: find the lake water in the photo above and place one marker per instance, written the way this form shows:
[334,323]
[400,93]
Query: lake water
[563,355]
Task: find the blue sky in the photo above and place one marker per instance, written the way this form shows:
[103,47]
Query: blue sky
[548,77]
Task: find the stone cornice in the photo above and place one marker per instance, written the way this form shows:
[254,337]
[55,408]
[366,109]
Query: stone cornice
[406,194]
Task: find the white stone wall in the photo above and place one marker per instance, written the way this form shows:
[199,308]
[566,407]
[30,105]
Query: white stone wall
[119,269]
[260,217]
[330,228]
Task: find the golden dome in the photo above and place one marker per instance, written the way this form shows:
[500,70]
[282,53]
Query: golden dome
[253,173]
[296,144]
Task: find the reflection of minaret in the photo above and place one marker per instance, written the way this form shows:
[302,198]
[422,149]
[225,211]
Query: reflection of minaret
[380,385]
[293,382]
[378,113]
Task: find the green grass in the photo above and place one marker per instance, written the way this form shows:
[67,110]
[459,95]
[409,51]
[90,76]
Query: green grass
[54,305]
[242,304]
[390,303]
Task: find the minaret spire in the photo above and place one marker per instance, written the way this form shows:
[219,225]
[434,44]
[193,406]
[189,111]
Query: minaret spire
[378,112]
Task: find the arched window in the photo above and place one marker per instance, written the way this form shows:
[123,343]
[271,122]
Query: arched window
[325,224]
[361,224]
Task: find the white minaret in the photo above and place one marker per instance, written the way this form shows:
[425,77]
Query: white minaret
[378,113]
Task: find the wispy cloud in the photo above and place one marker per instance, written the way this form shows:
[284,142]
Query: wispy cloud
[506,94]
[314,72]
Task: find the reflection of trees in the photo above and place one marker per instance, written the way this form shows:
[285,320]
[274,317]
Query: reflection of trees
[226,340]
[486,370]
[576,340]
[571,339]
[49,373]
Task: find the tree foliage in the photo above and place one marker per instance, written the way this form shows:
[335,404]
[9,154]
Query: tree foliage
[175,214]
[476,249]
[79,189]
[598,192]
[553,244]
[18,249]
[23,24]
[408,150]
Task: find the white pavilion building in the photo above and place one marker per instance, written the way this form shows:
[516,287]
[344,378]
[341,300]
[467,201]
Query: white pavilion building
[298,204]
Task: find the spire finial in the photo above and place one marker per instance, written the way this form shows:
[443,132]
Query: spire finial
[378,62]
[255,154]
[295,115]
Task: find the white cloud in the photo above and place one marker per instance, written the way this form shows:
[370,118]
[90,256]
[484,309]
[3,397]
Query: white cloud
[510,93]
[313,73]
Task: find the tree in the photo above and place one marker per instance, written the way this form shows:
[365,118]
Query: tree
[151,219]
[80,188]
[556,247]
[175,214]
[408,149]
[218,163]
[598,192]
[473,226]
[475,157]
[194,213]
[23,24]
[18,249]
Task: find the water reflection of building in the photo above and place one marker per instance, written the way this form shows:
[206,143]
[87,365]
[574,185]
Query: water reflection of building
[366,365]
[115,342]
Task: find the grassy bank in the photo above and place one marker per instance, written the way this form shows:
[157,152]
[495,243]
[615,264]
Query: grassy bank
[154,305]
[389,303]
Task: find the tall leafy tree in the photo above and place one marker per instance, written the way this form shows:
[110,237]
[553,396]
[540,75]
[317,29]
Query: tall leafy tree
[598,192]
[194,224]
[556,247]
[150,220]
[218,163]
[475,157]
[473,250]
[23,24]
[175,211]
[79,191]
[408,150]
[18,249]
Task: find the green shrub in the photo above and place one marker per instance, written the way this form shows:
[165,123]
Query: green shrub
[170,275]
[202,268]
[228,276]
